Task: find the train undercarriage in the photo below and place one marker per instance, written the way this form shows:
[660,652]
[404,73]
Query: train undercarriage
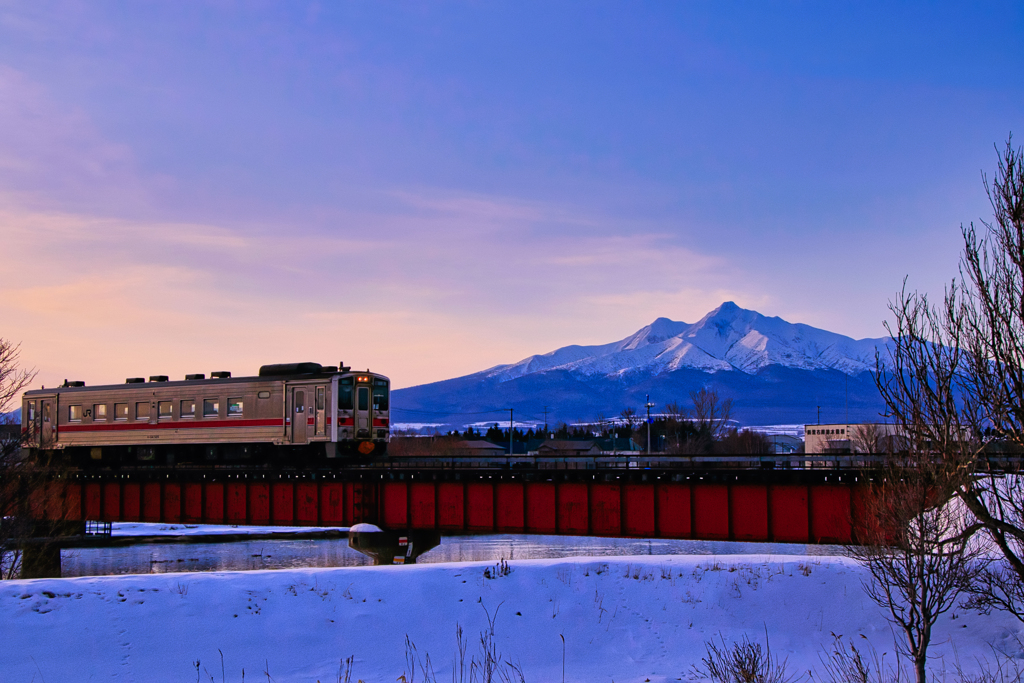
[248,455]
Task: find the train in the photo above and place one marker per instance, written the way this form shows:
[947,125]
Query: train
[289,415]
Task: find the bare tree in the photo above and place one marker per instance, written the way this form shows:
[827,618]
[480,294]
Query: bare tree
[917,547]
[955,376]
[629,416]
[675,426]
[13,378]
[869,439]
[745,442]
[14,494]
[710,414]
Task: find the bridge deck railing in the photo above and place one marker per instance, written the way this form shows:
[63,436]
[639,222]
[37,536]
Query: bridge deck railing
[638,461]
[633,462]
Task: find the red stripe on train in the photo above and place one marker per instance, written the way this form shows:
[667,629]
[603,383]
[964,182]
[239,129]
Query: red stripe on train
[181,424]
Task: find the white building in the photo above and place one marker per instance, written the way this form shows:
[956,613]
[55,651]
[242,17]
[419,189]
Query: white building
[866,437]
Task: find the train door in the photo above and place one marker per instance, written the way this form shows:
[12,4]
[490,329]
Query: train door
[299,430]
[47,422]
[321,411]
[363,412]
[30,422]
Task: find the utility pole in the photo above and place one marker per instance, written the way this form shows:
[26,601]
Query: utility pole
[545,422]
[510,423]
[819,414]
[649,405]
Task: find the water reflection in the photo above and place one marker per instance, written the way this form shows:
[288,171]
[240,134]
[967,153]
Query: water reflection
[158,558]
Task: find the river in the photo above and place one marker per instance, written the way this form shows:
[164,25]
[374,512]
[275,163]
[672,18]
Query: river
[150,558]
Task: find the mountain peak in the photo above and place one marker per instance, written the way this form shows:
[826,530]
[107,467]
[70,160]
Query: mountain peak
[728,310]
[728,338]
[775,369]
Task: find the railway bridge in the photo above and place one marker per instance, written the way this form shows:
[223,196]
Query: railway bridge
[741,498]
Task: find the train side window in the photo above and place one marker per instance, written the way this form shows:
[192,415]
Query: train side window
[264,394]
[234,407]
[211,407]
[31,411]
[74,413]
[120,411]
[164,410]
[320,398]
[345,393]
[187,408]
[99,411]
[364,398]
[142,410]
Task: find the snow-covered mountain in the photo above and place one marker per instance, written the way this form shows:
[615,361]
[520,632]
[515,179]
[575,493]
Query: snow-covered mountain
[774,370]
[728,338]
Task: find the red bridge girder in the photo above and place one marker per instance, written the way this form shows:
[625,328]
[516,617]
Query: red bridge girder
[820,512]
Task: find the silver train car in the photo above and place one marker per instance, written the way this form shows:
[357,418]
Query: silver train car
[294,414]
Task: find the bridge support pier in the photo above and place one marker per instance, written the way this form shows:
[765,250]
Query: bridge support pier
[40,561]
[40,543]
[394,547]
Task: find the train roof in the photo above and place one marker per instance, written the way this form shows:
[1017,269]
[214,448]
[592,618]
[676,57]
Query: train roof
[280,371]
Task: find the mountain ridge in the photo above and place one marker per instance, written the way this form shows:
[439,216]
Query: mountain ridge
[771,369]
[677,345]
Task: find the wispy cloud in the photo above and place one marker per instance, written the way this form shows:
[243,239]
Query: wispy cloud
[51,153]
[107,296]
[422,283]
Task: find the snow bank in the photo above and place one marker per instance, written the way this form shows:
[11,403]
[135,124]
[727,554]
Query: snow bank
[623,619]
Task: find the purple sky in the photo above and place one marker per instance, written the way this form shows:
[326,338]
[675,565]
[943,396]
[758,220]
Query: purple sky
[429,189]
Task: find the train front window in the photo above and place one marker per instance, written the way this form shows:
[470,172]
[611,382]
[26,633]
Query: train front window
[31,411]
[380,395]
[345,393]
[364,398]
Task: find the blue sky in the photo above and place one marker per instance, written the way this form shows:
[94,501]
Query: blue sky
[429,189]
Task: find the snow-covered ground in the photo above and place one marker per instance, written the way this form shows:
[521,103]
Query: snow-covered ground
[796,431]
[622,618]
